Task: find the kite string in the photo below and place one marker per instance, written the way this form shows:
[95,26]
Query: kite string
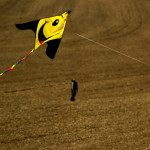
[113,50]
[14,65]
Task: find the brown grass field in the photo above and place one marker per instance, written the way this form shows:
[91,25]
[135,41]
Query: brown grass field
[112,107]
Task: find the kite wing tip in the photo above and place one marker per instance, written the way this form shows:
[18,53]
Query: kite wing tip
[18,26]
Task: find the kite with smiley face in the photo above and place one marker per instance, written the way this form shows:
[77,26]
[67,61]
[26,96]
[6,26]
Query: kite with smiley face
[47,30]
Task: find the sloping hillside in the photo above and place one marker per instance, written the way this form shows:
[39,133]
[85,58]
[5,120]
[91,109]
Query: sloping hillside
[111,110]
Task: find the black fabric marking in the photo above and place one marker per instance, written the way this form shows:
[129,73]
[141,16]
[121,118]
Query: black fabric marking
[41,36]
[29,25]
[52,48]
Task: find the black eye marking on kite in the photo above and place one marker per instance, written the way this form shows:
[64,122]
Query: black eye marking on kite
[55,22]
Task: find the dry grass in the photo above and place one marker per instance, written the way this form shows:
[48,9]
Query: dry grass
[111,111]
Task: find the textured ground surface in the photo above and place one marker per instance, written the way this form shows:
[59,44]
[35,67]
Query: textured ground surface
[112,109]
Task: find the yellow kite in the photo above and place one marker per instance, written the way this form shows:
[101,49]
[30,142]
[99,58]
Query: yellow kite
[47,30]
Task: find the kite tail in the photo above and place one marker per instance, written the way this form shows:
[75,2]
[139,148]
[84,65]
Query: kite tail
[13,66]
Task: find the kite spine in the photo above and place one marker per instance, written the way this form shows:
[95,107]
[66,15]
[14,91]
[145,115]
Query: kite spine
[14,65]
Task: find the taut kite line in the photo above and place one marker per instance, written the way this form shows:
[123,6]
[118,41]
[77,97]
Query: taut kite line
[146,64]
[47,30]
